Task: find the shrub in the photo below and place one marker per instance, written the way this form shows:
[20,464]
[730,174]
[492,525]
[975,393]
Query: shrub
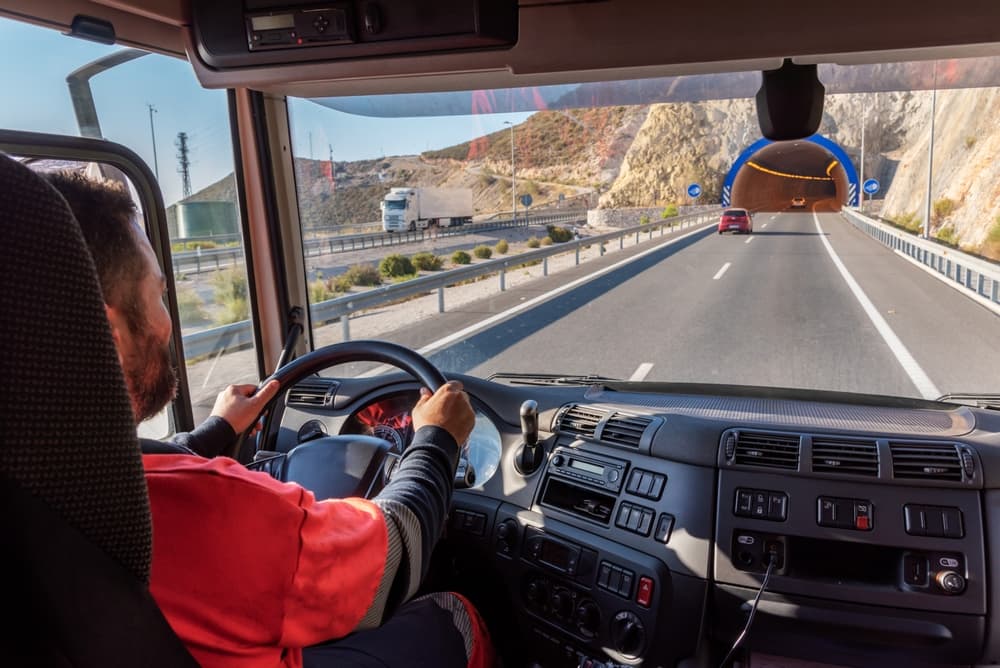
[546,241]
[943,208]
[502,247]
[396,265]
[427,262]
[994,233]
[189,307]
[559,234]
[320,290]
[908,221]
[483,252]
[363,274]
[342,284]
[231,294]
[669,211]
[644,220]
[948,235]
[534,242]
[970,141]
[460,257]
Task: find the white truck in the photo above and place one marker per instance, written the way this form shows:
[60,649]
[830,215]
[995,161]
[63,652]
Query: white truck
[417,208]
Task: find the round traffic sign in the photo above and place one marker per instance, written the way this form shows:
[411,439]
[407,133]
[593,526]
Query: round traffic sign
[871,186]
[526,199]
[694,190]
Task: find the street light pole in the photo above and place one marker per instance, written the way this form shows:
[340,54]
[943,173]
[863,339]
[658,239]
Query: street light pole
[930,159]
[513,181]
[152,133]
[864,119]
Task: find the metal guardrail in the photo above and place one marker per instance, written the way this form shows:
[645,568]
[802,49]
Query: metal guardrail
[979,278]
[239,334]
[215,258]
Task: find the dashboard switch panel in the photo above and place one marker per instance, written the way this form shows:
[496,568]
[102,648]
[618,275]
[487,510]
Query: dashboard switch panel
[646,484]
[856,514]
[761,504]
[635,518]
[934,521]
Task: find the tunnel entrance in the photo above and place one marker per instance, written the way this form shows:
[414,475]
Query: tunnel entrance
[775,176]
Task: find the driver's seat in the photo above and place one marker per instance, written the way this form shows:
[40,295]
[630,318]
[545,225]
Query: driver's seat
[75,521]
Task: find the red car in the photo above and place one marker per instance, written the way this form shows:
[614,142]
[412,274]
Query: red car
[736,220]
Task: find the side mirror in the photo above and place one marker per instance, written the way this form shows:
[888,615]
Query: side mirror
[790,102]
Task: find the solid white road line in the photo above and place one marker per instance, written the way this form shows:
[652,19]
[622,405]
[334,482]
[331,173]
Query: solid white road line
[749,239]
[917,375]
[641,372]
[525,305]
[719,274]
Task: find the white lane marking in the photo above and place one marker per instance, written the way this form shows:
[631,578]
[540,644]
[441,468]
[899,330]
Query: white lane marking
[773,217]
[991,305]
[641,372]
[764,225]
[917,375]
[749,239]
[719,274]
[523,306]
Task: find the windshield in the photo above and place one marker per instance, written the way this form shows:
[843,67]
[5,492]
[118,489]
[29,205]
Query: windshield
[872,284]
[395,204]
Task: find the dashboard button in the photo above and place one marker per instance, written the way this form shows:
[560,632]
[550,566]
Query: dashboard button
[935,522]
[625,589]
[952,521]
[634,519]
[915,520]
[777,506]
[863,516]
[659,482]
[644,596]
[633,481]
[624,515]
[604,575]
[615,581]
[744,502]
[645,521]
[827,512]
[663,528]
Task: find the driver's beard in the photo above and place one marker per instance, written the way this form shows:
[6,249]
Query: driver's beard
[151,378]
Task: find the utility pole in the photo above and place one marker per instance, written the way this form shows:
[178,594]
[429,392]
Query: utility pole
[513,182]
[930,159]
[861,179]
[183,163]
[152,134]
[333,184]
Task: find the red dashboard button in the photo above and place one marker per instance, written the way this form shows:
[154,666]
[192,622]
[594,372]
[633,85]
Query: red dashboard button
[861,523]
[644,596]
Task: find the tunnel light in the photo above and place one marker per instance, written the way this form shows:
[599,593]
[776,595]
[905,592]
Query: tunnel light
[786,175]
[831,166]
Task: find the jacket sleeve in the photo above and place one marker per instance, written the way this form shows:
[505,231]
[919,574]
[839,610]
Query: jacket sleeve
[210,439]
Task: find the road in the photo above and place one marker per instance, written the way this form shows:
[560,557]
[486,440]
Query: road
[768,309]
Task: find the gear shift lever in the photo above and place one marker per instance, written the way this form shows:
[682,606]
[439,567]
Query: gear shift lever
[529,457]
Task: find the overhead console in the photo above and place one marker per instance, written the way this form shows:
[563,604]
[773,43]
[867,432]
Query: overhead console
[252,33]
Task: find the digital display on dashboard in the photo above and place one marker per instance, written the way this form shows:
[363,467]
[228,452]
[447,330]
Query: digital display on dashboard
[555,553]
[275,22]
[586,466]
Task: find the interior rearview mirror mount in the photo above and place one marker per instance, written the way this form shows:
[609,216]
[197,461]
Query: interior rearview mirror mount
[790,102]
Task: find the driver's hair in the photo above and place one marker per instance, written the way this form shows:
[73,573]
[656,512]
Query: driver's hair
[105,212]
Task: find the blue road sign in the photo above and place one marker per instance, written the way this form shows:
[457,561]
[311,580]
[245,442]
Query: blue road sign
[871,186]
[694,190]
[526,199]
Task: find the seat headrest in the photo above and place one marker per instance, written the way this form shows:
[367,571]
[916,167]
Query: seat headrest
[67,433]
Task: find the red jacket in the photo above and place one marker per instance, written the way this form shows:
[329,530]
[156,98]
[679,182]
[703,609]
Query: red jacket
[251,569]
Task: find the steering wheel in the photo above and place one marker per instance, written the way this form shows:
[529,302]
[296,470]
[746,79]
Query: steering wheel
[340,466]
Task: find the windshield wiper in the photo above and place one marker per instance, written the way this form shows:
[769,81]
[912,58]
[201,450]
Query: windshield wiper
[979,400]
[550,379]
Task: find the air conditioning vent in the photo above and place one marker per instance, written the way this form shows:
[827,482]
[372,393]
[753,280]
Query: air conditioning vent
[627,430]
[312,393]
[926,461]
[832,455]
[776,451]
[580,421]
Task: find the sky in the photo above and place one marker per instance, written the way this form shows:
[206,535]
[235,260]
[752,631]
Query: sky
[34,63]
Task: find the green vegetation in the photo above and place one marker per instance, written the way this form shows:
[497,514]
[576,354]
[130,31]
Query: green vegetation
[644,220]
[364,275]
[909,221]
[501,247]
[231,295]
[460,257]
[991,248]
[942,208]
[189,307]
[321,289]
[948,235]
[670,211]
[396,265]
[533,242]
[970,141]
[559,234]
[405,277]
[342,283]
[546,241]
[532,188]
[483,252]
[427,262]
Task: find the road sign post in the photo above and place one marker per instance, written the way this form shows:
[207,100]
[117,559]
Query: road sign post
[694,191]
[870,187]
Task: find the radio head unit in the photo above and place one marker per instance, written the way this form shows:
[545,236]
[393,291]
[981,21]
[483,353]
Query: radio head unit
[602,472]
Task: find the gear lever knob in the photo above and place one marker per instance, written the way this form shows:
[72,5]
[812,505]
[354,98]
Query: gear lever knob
[529,422]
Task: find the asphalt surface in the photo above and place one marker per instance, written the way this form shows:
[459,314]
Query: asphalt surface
[770,308]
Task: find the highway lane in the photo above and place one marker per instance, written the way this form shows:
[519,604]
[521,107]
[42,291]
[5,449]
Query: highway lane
[770,309]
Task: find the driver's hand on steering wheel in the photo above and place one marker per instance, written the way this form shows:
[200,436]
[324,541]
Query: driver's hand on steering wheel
[240,407]
[448,408]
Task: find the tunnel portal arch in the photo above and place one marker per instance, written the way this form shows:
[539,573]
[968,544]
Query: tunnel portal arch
[853,187]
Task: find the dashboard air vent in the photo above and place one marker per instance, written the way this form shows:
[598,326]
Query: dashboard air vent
[776,451]
[579,420]
[834,455]
[627,430]
[926,461]
[312,393]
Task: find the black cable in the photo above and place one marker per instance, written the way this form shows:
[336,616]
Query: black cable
[773,559]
